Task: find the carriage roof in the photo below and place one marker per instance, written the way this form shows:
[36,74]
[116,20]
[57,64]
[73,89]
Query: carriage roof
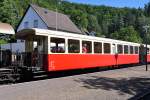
[45,32]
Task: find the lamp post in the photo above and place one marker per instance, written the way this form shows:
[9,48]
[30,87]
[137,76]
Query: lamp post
[146,27]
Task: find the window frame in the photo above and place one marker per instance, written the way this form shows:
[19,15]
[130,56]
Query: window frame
[127,49]
[114,45]
[135,50]
[101,47]
[83,40]
[118,48]
[104,47]
[65,47]
[26,24]
[131,49]
[35,23]
[68,45]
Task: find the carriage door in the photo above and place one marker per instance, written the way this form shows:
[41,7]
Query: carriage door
[42,49]
[114,51]
[40,52]
[142,54]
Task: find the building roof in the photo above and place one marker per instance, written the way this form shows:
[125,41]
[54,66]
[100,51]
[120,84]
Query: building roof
[6,28]
[55,20]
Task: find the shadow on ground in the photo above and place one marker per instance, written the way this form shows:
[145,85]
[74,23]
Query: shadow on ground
[132,86]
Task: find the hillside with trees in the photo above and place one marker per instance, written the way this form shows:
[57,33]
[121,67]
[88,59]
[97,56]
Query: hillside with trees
[117,23]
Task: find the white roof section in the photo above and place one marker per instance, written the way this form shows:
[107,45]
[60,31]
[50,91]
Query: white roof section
[45,32]
[6,28]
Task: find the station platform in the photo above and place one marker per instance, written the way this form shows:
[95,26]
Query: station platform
[119,84]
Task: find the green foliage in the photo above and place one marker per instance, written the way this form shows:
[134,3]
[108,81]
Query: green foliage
[147,9]
[2,41]
[8,12]
[7,39]
[127,34]
[119,23]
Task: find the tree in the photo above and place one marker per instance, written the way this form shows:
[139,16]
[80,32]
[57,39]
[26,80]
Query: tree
[127,34]
[8,12]
[147,9]
[105,21]
[2,41]
[93,24]
[129,19]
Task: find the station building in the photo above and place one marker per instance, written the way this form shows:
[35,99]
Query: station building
[38,17]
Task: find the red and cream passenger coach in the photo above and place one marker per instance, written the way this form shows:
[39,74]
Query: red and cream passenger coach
[54,50]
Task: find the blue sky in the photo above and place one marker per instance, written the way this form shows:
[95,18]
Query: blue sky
[114,3]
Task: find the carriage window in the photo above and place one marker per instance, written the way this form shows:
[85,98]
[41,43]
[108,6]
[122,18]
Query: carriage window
[126,49]
[73,46]
[131,50]
[136,49]
[114,49]
[107,48]
[86,47]
[97,47]
[142,49]
[57,45]
[120,49]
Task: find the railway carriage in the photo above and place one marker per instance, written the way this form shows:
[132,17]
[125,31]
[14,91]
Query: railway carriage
[58,50]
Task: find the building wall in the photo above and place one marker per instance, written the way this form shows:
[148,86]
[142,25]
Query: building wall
[16,47]
[30,16]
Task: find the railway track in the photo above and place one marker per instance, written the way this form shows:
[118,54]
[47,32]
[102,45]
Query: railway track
[7,75]
[14,75]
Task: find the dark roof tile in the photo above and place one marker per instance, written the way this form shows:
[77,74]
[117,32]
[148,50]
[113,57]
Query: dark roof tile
[62,21]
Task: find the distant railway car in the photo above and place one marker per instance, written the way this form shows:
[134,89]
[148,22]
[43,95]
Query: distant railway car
[54,50]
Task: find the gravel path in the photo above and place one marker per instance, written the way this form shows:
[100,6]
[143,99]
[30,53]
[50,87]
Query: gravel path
[119,84]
